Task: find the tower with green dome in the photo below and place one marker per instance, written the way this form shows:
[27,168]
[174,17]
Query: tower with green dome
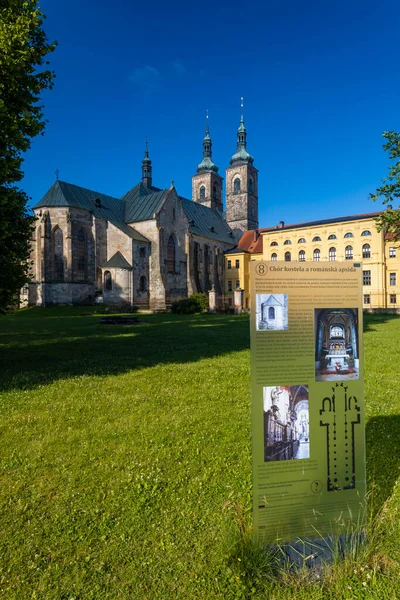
[207,184]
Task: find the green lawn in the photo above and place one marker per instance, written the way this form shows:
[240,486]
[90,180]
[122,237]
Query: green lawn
[126,467]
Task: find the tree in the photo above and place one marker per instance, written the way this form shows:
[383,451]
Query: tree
[23,76]
[389,220]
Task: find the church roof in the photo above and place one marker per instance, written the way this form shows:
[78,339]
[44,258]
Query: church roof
[117,261]
[206,222]
[101,205]
[141,202]
[272,301]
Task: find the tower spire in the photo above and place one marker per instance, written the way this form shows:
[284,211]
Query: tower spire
[207,163]
[146,168]
[241,154]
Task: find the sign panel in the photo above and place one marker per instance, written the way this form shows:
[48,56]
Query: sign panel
[307,399]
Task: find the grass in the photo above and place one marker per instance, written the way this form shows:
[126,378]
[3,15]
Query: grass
[126,468]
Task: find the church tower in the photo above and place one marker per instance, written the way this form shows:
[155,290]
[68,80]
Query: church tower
[207,184]
[147,169]
[242,185]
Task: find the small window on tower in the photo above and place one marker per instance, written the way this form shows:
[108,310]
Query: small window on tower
[214,192]
[250,185]
[236,186]
[202,192]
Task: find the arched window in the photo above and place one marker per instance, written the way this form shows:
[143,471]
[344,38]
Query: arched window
[271,313]
[287,242]
[202,192]
[316,254]
[302,256]
[348,235]
[366,251]
[366,232]
[348,252]
[81,255]
[274,256]
[332,253]
[171,255]
[332,237]
[316,239]
[288,256]
[143,284]
[107,281]
[250,186]
[58,255]
[302,241]
[39,253]
[274,243]
[236,186]
[215,192]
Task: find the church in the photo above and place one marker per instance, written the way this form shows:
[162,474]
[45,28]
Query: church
[148,248]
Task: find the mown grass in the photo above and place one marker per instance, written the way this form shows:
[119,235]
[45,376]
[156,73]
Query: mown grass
[126,468]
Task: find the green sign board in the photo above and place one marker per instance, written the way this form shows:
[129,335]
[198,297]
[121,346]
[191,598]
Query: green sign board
[307,399]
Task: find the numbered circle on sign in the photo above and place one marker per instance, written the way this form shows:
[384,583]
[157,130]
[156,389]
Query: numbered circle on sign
[261,269]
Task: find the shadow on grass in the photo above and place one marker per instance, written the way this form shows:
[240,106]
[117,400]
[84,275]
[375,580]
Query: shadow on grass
[383,457]
[371,319]
[38,346]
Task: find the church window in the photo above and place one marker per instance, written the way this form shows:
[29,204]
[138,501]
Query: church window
[302,241]
[173,214]
[271,313]
[332,237]
[302,256]
[274,256]
[366,251]
[107,281]
[237,283]
[316,238]
[367,299]
[81,255]
[287,242]
[250,185]
[348,253]
[142,252]
[202,192]
[229,285]
[366,277]
[288,256]
[348,235]
[332,253]
[215,192]
[171,255]
[274,243]
[392,252]
[58,254]
[236,186]
[229,264]
[237,263]
[366,232]
[143,284]
[392,298]
[392,278]
[316,254]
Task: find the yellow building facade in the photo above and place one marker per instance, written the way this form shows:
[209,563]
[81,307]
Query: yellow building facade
[352,238]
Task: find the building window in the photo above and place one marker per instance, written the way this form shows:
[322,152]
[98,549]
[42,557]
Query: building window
[171,255]
[58,255]
[229,264]
[214,192]
[348,252]
[302,256]
[367,299]
[366,251]
[229,285]
[274,256]
[142,252]
[237,264]
[237,283]
[229,301]
[250,185]
[332,253]
[366,277]
[287,242]
[302,241]
[81,254]
[236,186]
[274,243]
[316,239]
[366,232]
[107,281]
[348,235]
[271,313]
[202,192]
[392,278]
[316,254]
[392,298]
[392,252]
[332,237]
[288,256]
[143,284]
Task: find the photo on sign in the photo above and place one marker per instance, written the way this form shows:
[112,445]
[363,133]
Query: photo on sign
[286,423]
[336,344]
[271,312]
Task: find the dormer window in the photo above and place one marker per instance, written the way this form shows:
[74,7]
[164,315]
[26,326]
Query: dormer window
[97,202]
[212,229]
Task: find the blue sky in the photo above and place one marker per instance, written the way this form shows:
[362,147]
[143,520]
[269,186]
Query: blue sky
[320,83]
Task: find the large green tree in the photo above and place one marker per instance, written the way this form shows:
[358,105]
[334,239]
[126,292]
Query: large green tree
[24,74]
[389,191]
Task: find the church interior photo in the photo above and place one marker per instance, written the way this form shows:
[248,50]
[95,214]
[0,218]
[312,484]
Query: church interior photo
[336,344]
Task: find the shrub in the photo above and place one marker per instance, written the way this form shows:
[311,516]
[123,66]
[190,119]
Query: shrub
[189,306]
